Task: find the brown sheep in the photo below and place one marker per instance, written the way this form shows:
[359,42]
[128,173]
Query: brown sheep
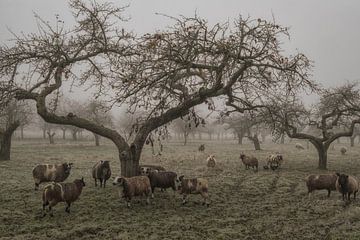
[101,170]
[51,173]
[144,170]
[162,180]
[210,161]
[249,161]
[134,186]
[193,186]
[347,185]
[202,148]
[61,192]
[321,181]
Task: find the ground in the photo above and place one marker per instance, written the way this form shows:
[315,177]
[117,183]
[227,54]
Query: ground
[244,204]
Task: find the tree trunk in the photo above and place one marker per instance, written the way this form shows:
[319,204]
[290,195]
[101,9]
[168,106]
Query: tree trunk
[352,141]
[282,139]
[255,140]
[240,138]
[5,141]
[97,140]
[322,149]
[44,133]
[51,137]
[74,135]
[185,138]
[22,132]
[64,133]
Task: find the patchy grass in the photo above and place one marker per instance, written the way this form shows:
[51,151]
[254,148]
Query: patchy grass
[244,204]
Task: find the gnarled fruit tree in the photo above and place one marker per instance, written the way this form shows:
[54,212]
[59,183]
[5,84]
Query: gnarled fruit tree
[164,74]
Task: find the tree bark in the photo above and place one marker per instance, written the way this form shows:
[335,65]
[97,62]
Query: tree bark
[256,141]
[74,135]
[5,140]
[185,138]
[51,137]
[322,149]
[44,133]
[240,138]
[22,132]
[282,139]
[64,133]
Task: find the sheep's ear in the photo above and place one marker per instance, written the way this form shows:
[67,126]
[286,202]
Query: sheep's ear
[338,174]
[101,161]
[346,176]
[82,178]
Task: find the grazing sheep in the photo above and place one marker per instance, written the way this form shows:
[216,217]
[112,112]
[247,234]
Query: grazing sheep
[299,146]
[162,180]
[50,173]
[347,185]
[249,161]
[134,186]
[101,170]
[274,161]
[144,170]
[193,186]
[61,192]
[202,148]
[343,150]
[210,161]
[321,181]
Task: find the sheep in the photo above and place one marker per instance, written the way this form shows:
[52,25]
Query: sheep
[162,180]
[346,185]
[249,161]
[299,146]
[210,161]
[134,186]
[101,170]
[321,181]
[193,186]
[343,150]
[50,172]
[61,192]
[144,170]
[202,148]
[274,161]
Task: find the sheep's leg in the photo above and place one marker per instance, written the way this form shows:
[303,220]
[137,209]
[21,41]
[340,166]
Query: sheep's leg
[67,209]
[349,196]
[147,199]
[205,196]
[128,201]
[329,191]
[355,195]
[104,183]
[36,186]
[44,207]
[95,183]
[184,199]
[152,192]
[101,182]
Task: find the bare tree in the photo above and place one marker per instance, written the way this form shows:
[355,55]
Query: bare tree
[338,107]
[166,73]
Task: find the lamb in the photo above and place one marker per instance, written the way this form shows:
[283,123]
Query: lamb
[202,148]
[347,185]
[162,180]
[134,186]
[101,170]
[210,161]
[343,150]
[249,161]
[321,181]
[299,146]
[193,186]
[61,192]
[50,172]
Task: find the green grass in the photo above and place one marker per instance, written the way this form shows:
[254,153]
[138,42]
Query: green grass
[244,204]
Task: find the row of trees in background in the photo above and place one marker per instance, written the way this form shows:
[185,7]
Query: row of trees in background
[163,76]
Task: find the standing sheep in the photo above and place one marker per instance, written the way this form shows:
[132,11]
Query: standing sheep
[61,192]
[274,161]
[134,186]
[144,170]
[347,185]
[193,186]
[101,170]
[321,181]
[162,180]
[210,161]
[202,148]
[50,173]
[249,161]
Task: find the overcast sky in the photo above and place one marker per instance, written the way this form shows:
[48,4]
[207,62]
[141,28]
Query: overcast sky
[326,31]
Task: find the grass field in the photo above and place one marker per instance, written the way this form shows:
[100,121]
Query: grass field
[244,204]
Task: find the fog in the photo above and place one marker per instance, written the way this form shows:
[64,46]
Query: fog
[326,31]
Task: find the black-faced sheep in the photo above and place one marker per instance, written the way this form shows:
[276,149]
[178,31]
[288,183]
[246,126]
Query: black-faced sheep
[193,186]
[320,182]
[134,186]
[210,161]
[50,173]
[249,161]
[163,180]
[202,148]
[343,150]
[347,185]
[61,192]
[101,170]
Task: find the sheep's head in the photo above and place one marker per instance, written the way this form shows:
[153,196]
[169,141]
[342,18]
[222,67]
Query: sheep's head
[67,167]
[242,156]
[178,182]
[118,181]
[343,180]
